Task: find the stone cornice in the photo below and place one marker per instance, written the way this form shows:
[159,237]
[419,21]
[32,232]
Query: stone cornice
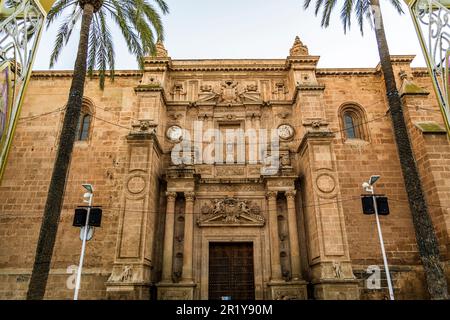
[310,60]
[314,135]
[402,58]
[420,72]
[311,87]
[69,73]
[151,88]
[398,59]
[142,137]
[228,68]
[346,71]
[257,66]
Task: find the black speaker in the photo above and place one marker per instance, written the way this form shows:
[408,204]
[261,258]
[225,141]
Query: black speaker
[79,219]
[95,217]
[383,206]
[367,205]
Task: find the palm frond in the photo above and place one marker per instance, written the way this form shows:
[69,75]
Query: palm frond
[138,20]
[63,35]
[360,8]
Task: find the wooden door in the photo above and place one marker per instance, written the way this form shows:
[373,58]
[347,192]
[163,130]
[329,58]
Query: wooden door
[231,271]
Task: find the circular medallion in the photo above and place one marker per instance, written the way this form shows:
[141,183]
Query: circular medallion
[174,133]
[326,183]
[136,184]
[285,132]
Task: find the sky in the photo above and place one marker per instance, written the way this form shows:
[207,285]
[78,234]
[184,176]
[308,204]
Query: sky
[234,29]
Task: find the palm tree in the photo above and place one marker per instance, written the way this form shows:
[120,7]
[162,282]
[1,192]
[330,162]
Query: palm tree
[425,235]
[138,21]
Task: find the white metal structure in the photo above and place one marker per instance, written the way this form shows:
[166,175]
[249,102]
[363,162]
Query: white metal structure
[84,236]
[368,187]
[21,26]
[431,19]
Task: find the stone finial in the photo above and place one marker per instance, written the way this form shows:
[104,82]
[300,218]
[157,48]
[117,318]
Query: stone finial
[298,49]
[161,51]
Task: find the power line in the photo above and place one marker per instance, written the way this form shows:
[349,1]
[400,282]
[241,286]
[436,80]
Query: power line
[15,215]
[202,141]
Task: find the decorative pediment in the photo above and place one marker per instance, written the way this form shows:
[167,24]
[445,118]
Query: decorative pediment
[231,212]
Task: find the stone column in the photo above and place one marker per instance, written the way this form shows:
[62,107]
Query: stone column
[274,238]
[187,275]
[168,237]
[293,235]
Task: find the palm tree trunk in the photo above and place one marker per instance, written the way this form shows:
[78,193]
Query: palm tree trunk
[49,227]
[425,235]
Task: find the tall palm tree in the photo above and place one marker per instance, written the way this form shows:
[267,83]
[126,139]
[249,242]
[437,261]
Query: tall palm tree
[425,234]
[139,22]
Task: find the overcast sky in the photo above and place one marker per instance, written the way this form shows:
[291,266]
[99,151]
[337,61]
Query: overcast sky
[201,29]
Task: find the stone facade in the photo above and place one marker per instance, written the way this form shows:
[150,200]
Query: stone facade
[304,221]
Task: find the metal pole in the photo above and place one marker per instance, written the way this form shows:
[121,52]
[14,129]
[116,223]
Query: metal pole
[83,249]
[380,235]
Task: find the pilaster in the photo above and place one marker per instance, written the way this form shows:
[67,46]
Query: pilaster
[131,274]
[329,259]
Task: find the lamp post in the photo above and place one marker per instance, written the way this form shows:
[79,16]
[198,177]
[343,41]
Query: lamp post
[84,236]
[431,20]
[368,187]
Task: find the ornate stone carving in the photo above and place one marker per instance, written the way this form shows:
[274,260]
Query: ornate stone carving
[136,184]
[144,126]
[231,211]
[229,92]
[189,196]
[171,195]
[289,293]
[290,194]
[125,276]
[315,124]
[271,195]
[252,88]
[174,294]
[326,183]
[178,92]
[298,48]
[285,159]
[337,269]
[230,171]
[206,88]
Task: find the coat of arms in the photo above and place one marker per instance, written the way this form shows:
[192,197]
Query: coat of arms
[231,211]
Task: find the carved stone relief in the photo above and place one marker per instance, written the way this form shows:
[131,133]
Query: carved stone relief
[231,211]
[229,92]
[125,276]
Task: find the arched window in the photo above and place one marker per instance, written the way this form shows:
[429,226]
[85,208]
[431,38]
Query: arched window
[353,122]
[84,123]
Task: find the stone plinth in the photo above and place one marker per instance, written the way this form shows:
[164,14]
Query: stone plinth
[293,290]
[337,290]
[176,291]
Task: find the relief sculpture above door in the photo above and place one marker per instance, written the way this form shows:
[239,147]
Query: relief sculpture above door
[231,211]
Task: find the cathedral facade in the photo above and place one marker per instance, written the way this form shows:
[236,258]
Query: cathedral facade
[274,212]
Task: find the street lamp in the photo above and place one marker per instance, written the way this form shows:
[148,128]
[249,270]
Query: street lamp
[368,187]
[431,20]
[84,235]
